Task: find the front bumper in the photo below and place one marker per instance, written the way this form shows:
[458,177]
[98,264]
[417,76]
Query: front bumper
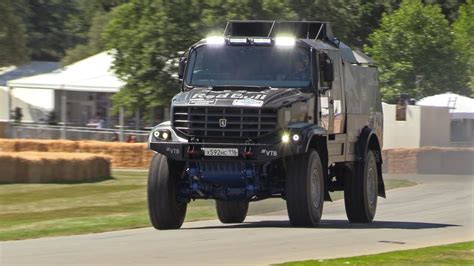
[189,151]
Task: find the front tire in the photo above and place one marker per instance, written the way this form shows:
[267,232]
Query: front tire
[232,211]
[164,209]
[305,189]
[360,190]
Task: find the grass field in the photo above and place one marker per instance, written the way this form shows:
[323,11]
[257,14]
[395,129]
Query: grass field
[454,254]
[39,210]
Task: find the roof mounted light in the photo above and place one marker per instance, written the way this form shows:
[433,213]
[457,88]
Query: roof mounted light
[262,41]
[238,40]
[285,41]
[215,40]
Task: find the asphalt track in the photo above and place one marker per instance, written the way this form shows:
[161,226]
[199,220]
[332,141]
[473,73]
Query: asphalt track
[439,210]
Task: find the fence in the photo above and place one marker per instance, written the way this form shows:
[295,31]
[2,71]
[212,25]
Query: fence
[38,131]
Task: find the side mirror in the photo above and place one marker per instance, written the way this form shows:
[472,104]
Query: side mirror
[327,68]
[182,67]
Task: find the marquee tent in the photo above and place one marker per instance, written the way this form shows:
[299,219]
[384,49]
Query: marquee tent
[92,74]
[461,107]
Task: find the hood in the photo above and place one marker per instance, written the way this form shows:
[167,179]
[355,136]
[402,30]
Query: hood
[243,97]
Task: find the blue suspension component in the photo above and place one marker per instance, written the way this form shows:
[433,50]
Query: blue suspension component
[226,180]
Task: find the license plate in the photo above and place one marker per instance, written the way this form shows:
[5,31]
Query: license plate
[220,152]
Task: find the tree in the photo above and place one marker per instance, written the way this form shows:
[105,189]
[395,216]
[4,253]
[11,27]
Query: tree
[413,47]
[463,30]
[91,20]
[448,7]
[147,37]
[13,49]
[51,29]
[342,14]
[95,42]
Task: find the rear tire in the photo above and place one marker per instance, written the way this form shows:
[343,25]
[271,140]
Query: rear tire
[360,190]
[231,211]
[305,189]
[164,210]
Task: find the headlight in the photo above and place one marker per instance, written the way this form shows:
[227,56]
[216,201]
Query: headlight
[296,137]
[162,134]
[285,138]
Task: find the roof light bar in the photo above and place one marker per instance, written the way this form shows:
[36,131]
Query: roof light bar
[238,40]
[285,41]
[215,40]
[259,41]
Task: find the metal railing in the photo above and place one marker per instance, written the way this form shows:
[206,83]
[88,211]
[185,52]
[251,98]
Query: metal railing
[41,131]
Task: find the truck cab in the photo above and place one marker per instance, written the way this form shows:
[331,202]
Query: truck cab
[269,109]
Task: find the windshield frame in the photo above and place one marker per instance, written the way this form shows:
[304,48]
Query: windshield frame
[191,56]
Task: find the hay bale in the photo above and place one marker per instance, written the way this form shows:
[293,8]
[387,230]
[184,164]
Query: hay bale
[400,161]
[39,167]
[129,155]
[8,145]
[124,155]
[32,145]
[62,146]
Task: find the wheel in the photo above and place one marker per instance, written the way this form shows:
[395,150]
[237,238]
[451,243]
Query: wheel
[231,211]
[305,189]
[360,190]
[164,209]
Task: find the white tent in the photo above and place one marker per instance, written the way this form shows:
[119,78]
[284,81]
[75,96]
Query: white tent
[92,74]
[461,107]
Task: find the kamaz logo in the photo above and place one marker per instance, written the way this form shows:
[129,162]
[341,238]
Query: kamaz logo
[269,153]
[222,122]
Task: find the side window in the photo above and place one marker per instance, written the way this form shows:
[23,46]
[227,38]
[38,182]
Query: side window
[322,56]
[336,92]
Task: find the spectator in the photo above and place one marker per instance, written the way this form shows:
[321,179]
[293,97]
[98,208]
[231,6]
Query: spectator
[132,139]
[115,137]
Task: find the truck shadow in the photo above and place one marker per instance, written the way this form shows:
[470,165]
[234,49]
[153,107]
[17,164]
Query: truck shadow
[334,224]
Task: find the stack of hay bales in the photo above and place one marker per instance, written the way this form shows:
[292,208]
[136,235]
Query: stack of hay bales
[40,167]
[399,161]
[129,155]
[125,155]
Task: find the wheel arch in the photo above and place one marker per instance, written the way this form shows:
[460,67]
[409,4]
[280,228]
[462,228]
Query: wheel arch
[368,140]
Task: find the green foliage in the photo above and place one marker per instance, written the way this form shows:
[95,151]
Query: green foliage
[448,7]
[463,30]
[91,20]
[453,254]
[50,27]
[147,36]
[414,52]
[95,43]
[13,49]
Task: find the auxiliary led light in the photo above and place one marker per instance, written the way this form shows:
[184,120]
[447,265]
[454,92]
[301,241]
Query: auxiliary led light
[262,41]
[285,138]
[285,41]
[296,137]
[215,40]
[238,41]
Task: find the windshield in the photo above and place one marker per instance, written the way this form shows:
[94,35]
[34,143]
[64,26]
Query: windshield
[267,66]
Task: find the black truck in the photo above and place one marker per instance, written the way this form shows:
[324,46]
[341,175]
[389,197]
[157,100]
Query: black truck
[270,109]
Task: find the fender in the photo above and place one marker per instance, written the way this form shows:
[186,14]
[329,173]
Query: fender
[310,132]
[307,132]
[368,140]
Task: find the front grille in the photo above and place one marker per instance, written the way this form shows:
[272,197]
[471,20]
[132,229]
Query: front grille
[241,123]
